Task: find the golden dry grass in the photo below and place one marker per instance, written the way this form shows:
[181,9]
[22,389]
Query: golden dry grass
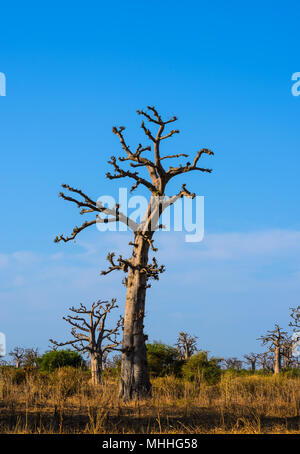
[66,402]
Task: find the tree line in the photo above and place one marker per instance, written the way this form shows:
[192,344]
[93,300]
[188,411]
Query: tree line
[90,336]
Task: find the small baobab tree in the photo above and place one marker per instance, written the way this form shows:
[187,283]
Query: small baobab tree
[31,358]
[186,345]
[17,354]
[287,352]
[138,269]
[233,363]
[295,314]
[91,335]
[275,339]
[266,361]
[251,359]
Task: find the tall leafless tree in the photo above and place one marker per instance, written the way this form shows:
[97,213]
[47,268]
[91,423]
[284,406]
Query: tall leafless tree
[186,345]
[17,355]
[252,359]
[91,335]
[275,339]
[135,381]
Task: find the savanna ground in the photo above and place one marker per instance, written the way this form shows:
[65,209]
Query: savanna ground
[66,402]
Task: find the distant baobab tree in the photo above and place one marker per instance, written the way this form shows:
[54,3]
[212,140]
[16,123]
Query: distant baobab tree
[25,357]
[186,345]
[295,314]
[266,361]
[138,269]
[18,354]
[31,358]
[233,363]
[91,335]
[252,359]
[287,352]
[275,339]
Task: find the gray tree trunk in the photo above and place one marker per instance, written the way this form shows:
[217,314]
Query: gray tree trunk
[135,380]
[96,368]
[277,365]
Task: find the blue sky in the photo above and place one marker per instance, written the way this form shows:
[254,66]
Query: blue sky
[76,69]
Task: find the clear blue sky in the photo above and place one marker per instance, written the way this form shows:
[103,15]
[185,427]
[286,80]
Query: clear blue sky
[76,69]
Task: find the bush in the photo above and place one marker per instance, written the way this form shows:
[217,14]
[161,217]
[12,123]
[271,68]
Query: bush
[163,360]
[18,376]
[67,381]
[60,358]
[290,373]
[199,367]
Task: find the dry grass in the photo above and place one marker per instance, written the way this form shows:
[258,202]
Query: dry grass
[66,402]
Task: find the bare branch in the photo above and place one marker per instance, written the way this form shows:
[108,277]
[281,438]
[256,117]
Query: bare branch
[121,264]
[183,193]
[173,171]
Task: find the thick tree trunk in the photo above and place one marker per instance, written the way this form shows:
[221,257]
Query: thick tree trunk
[135,380]
[277,365]
[186,354]
[96,368]
[253,366]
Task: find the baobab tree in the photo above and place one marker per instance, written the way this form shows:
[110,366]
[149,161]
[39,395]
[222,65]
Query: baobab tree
[295,314]
[233,363]
[266,360]
[287,352]
[186,345]
[252,359]
[18,354]
[138,269]
[91,335]
[275,339]
[31,358]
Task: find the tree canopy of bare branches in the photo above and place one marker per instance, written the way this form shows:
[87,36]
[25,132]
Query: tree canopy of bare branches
[91,335]
[186,345]
[275,339]
[138,269]
[252,360]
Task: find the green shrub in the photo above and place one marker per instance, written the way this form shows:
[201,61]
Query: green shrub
[245,372]
[60,358]
[290,372]
[199,368]
[163,360]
